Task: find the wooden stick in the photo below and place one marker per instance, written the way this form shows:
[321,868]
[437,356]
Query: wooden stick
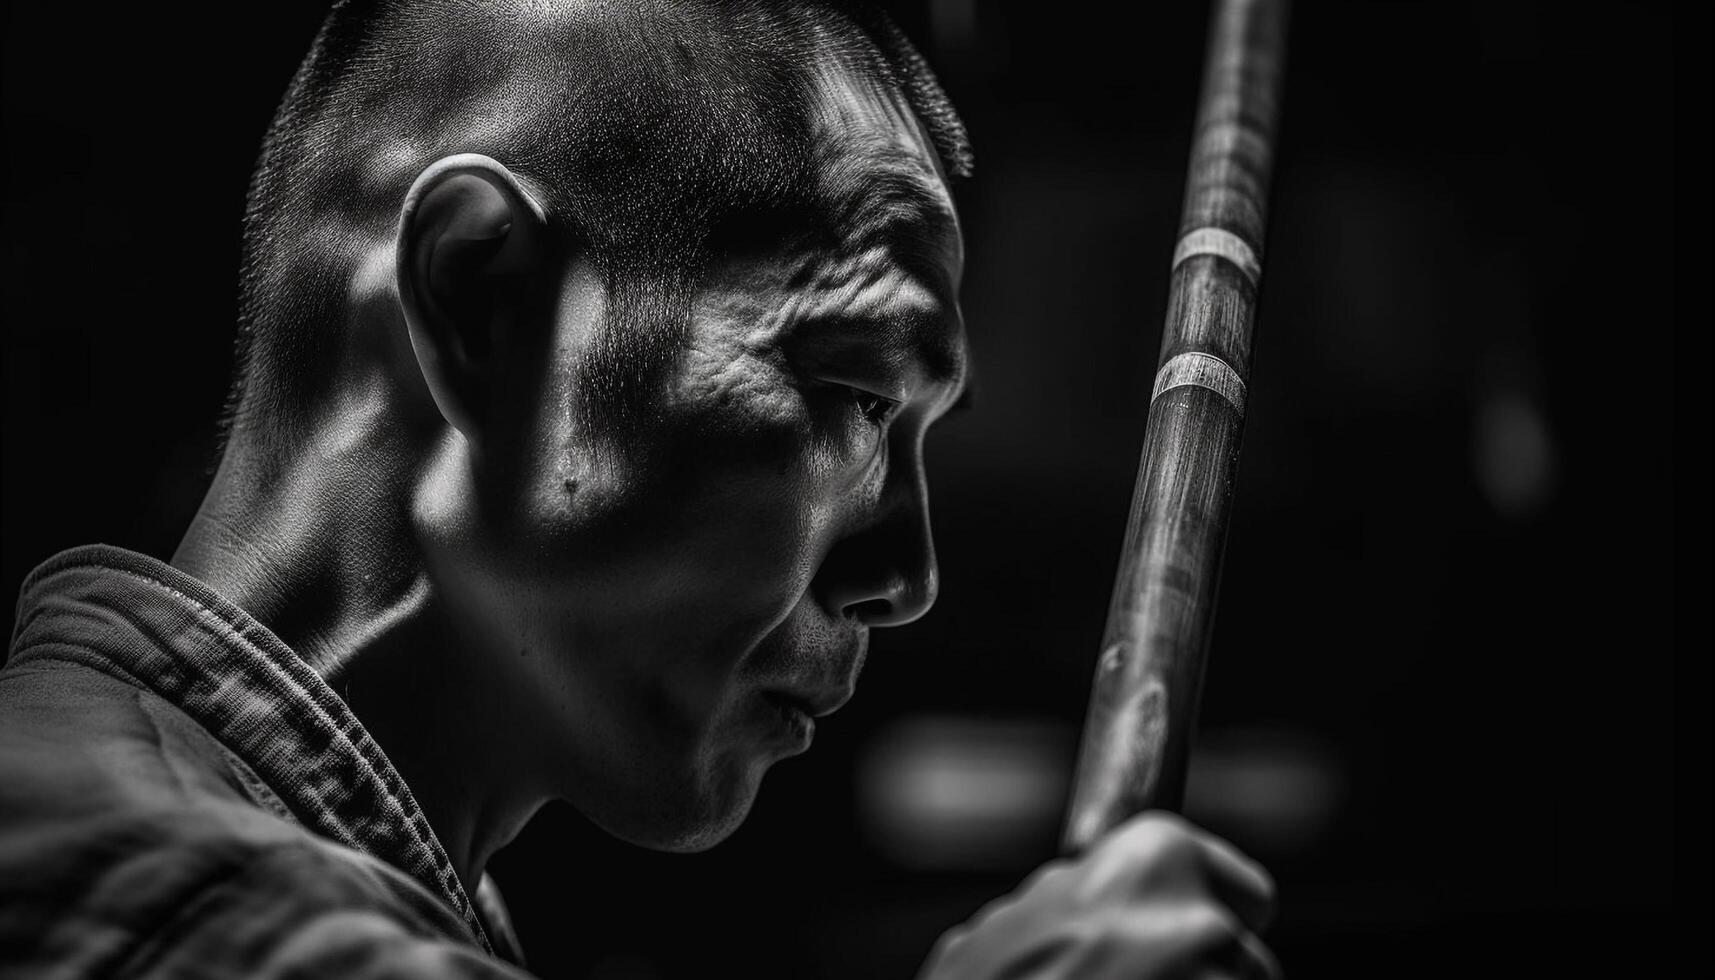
[1143,706]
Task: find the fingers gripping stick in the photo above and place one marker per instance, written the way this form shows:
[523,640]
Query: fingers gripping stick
[1155,898]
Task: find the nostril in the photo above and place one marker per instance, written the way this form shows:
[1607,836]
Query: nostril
[901,601]
[882,576]
[872,612]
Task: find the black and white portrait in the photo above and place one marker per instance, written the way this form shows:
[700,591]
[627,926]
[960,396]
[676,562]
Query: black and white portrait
[924,488]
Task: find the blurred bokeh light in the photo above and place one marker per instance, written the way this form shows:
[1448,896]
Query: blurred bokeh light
[941,792]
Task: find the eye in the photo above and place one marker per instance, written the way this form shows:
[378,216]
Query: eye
[841,402]
[876,409]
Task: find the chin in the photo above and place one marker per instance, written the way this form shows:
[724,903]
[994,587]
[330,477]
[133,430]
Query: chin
[701,837]
[700,813]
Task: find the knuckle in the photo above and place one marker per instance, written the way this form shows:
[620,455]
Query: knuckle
[1050,875]
[1154,853]
[1257,875]
[1154,833]
[947,948]
[1266,886]
[1209,927]
[1257,961]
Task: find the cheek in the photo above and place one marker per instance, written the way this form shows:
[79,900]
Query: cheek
[722,508]
[746,508]
[714,518]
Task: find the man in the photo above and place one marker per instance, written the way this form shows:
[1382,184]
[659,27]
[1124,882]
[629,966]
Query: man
[586,356]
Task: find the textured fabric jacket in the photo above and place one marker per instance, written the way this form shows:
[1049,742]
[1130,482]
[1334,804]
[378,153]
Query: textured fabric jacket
[182,796]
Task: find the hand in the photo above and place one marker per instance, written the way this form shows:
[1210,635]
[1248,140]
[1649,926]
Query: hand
[1157,898]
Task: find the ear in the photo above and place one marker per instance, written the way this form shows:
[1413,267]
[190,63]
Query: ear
[469,238]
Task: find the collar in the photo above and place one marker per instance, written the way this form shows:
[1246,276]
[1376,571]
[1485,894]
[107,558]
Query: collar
[160,629]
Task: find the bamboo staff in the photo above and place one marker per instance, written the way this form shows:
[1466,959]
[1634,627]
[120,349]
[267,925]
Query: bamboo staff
[1144,702]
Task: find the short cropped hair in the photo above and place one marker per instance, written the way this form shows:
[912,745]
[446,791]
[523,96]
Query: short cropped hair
[650,123]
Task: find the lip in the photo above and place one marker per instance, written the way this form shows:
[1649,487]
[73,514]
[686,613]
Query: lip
[794,713]
[806,673]
[816,703]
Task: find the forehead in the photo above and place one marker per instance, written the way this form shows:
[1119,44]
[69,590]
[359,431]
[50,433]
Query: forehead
[877,179]
[863,249]
[861,277]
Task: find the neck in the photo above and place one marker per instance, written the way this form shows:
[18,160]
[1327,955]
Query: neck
[321,551]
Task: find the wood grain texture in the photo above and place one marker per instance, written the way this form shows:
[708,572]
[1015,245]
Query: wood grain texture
[1144,699]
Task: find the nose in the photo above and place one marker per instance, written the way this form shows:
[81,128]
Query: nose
[884,574]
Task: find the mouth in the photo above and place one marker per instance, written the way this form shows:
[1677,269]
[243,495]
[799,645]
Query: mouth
[806,674]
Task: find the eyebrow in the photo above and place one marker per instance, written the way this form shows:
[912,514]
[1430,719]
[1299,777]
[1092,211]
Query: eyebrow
[916,336]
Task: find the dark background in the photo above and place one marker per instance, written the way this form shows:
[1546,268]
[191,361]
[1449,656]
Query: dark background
[1458,699]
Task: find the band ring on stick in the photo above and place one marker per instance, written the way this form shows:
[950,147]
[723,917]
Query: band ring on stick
[1222,243]
[1203,371]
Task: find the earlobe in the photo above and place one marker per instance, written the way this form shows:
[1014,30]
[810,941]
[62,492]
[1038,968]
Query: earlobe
[469,237]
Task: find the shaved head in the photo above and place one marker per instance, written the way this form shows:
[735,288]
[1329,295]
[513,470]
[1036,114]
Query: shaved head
[588,354]
[656,135]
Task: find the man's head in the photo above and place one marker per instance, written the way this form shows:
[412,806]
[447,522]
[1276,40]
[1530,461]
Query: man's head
[652,305]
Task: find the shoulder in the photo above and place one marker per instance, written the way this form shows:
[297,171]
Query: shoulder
[133,844]
[78,745]
[242,907]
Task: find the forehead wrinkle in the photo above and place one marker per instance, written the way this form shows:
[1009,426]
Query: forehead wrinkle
[894,264]
[877,193]
[876,176]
